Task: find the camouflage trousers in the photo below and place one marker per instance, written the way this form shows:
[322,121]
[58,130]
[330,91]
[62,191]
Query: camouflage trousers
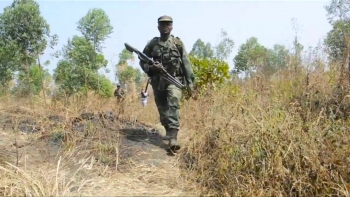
[168,104]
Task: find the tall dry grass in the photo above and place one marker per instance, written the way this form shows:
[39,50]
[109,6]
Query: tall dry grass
[286,136]
[281,136]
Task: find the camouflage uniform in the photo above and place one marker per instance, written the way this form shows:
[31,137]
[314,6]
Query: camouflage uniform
[174,58]
[119,93]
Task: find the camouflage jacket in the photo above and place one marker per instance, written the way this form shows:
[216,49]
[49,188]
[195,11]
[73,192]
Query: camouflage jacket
[173,55]
[119,92]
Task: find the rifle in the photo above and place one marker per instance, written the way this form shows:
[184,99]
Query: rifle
[163,72]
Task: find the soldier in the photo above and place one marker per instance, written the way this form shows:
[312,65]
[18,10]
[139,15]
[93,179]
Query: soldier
[119,93]
[168,52]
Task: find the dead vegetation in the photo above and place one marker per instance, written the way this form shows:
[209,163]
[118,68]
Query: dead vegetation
[87,148]
[286,136]
[282,136]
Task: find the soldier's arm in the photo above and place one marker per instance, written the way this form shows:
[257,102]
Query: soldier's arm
[187,67]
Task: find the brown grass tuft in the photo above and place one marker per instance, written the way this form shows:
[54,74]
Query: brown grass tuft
[275,137]
[281,136]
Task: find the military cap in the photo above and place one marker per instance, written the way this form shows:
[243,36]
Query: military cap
[165,19]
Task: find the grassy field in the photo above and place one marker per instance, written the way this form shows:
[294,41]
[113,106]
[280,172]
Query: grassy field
[282,136]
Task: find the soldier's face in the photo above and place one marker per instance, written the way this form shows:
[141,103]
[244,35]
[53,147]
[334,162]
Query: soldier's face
[165,27]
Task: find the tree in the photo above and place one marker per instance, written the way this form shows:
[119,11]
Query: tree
[296,56]
[77,72]
[277,59]
[209,66]
[127,74]
[337,40]
[68,78]
[95,27]
[125,56]
[82,53]
[338,10]
[139,77]
[202,50]
[9,59]
[23,26]
[225,46]
[222,51]
[37,76]
[209,72]
[105,85]
[251,55]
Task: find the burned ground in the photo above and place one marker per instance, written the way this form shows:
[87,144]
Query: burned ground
[136,141]
[30,140]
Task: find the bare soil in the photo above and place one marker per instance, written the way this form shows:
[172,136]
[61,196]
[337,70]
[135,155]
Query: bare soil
[134,152]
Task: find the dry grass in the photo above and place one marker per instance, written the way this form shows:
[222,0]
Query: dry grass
[86,179]
[269,138]
[87,163]
[285,136]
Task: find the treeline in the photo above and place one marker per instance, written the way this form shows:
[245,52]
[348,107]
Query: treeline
[25,34]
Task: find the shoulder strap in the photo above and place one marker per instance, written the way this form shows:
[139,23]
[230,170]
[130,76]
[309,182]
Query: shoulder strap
[178,44]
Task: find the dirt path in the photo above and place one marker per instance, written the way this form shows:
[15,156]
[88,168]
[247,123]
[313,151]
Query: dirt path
[115,158]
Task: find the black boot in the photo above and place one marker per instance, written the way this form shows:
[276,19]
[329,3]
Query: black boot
[173,144]
[167,135]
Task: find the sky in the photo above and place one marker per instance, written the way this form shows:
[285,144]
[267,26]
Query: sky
[135,22]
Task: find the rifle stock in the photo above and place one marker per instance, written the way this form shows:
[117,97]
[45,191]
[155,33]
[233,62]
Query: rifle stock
[163,72]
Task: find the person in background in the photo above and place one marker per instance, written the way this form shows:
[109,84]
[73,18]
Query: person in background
[119,93]
[144,97]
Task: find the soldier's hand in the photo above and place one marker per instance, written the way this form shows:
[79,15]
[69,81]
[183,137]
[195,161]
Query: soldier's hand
[157,66]
[191,90]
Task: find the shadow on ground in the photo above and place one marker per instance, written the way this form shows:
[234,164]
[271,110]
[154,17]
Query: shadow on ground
[140,135]
[148,141]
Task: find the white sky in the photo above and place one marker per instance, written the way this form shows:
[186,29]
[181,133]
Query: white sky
[135,22]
